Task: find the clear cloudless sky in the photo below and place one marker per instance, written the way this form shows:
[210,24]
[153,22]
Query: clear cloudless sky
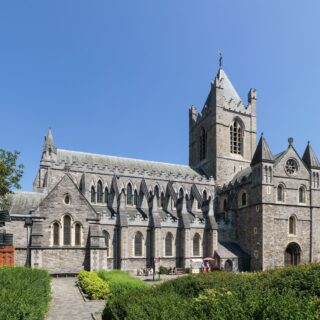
[118,77]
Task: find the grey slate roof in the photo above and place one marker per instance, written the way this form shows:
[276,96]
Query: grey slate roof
[113,163]
[229,91]
[262,152]
[242,175]
[24,202]
[230,250]
[310,159]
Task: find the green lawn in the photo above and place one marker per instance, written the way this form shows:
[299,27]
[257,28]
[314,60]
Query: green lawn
[24,293]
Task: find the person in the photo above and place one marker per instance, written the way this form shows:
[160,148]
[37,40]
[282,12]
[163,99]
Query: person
[202,267]
[174,270]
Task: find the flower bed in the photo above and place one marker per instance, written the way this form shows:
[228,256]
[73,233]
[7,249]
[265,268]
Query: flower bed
[24,293]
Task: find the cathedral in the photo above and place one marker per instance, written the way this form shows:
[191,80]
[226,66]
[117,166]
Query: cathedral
[235,202]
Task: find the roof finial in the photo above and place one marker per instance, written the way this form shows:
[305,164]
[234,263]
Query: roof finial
[290,140]
[308,142]
[220,59]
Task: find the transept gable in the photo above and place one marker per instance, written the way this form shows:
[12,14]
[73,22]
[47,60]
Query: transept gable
[285,164]
[64,198]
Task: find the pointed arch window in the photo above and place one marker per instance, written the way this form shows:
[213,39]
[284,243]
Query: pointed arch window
[129,194]
[196,245]
[204,195]
[138,244]
[157,194]
[225,205]
[302,194]
[244,199]
[93,194]
[106,195]
[236,140]
[135,197]
[162,199]
[266,174]
[99,192]
[270,174]
[203,144]
[168,244]
[82,183]
[56,234]
[292,225]
[280,193]
[67,230]
[181,193]
[77,238]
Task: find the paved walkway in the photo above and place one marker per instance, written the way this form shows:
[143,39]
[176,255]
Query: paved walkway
[67,302]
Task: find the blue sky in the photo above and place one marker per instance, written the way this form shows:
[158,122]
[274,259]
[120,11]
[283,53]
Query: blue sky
[118,77]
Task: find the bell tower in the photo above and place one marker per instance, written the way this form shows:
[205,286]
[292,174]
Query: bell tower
[222,137]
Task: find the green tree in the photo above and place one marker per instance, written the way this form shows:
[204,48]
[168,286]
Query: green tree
[10,175]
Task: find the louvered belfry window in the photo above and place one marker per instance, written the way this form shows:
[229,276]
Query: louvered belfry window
[236,138]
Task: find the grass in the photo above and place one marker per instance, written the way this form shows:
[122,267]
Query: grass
[121,281]
[25,293]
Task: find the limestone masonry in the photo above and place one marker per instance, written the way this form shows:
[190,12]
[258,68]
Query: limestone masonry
[236,201]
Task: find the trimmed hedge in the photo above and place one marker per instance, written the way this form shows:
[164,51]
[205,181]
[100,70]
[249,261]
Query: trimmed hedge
[289,293]
[24,293]
[121,281]
[93,286]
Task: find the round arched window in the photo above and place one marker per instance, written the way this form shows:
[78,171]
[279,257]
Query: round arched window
[67,199]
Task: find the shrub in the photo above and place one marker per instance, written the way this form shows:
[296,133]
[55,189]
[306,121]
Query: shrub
[163,270]
[93,286]
[121,281]
[24,293]
[146,305]
[288,293]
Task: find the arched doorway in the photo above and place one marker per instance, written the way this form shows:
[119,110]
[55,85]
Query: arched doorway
[228,266]
[292,254]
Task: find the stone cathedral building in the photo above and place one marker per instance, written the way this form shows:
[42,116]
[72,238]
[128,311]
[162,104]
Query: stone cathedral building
[236,201]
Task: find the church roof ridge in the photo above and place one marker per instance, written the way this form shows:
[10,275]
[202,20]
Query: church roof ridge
[130,163]
[123,158]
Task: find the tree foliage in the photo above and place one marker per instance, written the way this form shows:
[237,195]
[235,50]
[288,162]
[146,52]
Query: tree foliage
[10,175]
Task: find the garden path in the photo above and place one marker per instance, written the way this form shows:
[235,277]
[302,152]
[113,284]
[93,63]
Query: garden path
[67,302]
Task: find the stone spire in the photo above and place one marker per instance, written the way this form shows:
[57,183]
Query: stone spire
[48,144]
[310,159]
[262,153]
[49,151]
